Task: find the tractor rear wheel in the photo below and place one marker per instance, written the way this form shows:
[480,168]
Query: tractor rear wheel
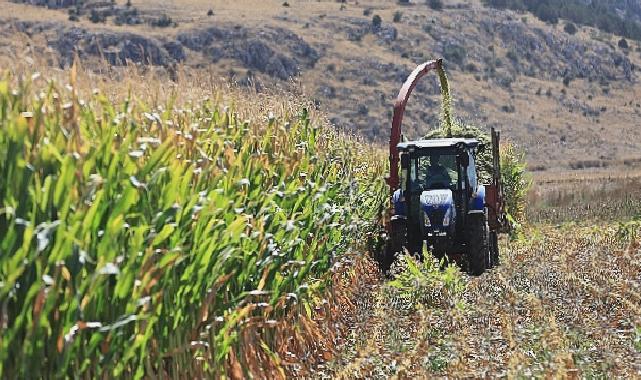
[387,257]
[478,253]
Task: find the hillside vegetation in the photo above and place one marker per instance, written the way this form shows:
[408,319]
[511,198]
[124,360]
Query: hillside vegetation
[172,239]
[619,17]
[565,303]
[561,93]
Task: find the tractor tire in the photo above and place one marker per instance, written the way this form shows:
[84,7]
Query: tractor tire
[478,252]
[415,249]
[494,249]
[415,242]
[387,257]
[393,245]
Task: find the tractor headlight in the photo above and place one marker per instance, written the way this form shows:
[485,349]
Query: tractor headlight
[427,219]
[446,218]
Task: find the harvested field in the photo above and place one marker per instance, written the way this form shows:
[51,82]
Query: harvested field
[564,303]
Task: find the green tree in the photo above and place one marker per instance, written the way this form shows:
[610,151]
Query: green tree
[570,28]
[623,43]
[377,21]
[435,4]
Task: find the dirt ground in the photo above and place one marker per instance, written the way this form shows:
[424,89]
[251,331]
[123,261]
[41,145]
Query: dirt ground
[565,303]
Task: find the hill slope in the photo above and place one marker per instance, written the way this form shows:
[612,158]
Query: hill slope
[571,101]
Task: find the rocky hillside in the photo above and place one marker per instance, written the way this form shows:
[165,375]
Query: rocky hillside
[570,100]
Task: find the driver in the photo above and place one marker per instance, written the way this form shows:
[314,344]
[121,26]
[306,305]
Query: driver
[437,174]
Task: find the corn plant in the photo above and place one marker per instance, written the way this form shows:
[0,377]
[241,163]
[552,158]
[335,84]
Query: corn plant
[137,241]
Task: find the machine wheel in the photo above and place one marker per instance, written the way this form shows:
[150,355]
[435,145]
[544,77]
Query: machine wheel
[393,245]
[494,249]
[387,257]
[415,248]
[415,241]
[478,253]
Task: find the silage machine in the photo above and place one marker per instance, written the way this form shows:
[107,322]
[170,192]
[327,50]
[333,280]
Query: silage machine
[437,201]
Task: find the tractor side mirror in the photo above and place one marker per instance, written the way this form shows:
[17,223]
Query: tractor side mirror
[463,159]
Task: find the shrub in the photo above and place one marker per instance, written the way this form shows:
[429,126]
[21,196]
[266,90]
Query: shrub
[210,12]
[367,12]
[397,16]
[163,22]
[454,53]
[623,43]
[423,283]
[96,16]
[570,28]
[435,4]
[377,21]
[508,108]
[516,182]
[547,13]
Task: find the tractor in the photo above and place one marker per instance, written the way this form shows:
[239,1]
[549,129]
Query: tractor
[436,199]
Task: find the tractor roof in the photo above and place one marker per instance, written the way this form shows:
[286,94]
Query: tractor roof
[438,143]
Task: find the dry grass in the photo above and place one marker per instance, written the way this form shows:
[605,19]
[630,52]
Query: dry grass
[566,303]
[585,196]
[552,134]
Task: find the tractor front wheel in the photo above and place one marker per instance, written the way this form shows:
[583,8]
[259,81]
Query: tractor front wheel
[478,253]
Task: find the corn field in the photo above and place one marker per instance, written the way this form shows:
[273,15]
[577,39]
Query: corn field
[173,241]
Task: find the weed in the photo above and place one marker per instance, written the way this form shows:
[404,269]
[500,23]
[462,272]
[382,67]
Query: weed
[424,283]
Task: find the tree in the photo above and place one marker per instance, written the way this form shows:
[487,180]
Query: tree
[623,43]
[377,21]
[570,28]
[96,16]
[547,13]
[435,4]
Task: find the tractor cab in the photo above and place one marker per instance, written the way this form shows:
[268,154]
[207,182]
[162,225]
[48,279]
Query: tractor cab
[438,189]
[438,164]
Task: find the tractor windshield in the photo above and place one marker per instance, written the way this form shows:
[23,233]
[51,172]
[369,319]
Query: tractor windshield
[436,171]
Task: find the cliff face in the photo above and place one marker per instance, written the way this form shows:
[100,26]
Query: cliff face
[561,96]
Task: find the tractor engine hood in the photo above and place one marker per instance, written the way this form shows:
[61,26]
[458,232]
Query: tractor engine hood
[438,206]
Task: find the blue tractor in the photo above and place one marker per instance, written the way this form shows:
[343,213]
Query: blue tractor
[436,198]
